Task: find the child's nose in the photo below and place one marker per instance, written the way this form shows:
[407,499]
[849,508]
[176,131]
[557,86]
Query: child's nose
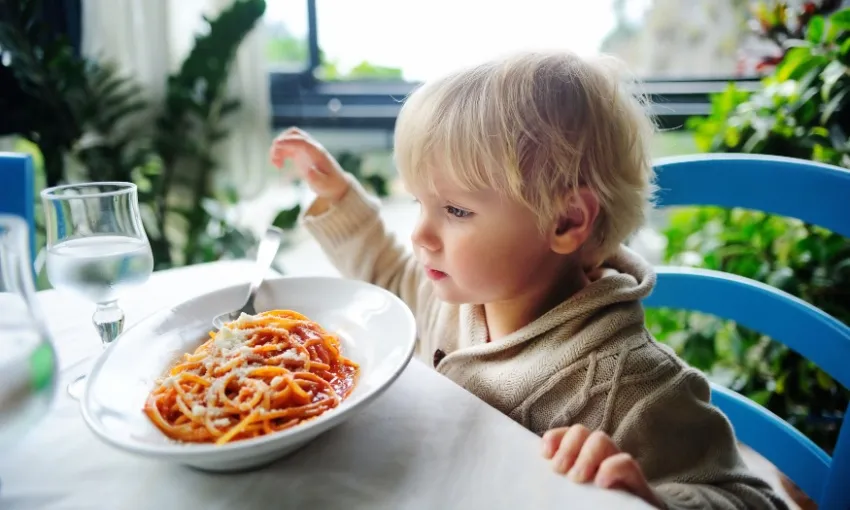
[425,237]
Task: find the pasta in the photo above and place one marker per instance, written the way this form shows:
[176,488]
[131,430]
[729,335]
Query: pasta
[257,375]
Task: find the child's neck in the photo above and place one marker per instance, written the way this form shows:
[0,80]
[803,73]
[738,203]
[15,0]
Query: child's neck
[505,317]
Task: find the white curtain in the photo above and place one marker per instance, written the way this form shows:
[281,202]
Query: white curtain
[149,39]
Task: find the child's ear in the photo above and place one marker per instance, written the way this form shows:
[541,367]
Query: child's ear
[575,223]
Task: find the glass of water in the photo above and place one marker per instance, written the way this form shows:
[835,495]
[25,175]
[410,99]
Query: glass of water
[27,358]
[97,249]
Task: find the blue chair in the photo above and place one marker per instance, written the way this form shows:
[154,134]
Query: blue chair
[817,194]
[17,191]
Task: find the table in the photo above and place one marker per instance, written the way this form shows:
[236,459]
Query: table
[424,444]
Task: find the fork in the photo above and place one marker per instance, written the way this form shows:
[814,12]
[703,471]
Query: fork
[269,246]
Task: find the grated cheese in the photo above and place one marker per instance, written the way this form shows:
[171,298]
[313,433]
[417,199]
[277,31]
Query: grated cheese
[227,339]
[293,355]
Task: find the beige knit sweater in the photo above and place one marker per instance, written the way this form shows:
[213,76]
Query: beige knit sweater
[590,360]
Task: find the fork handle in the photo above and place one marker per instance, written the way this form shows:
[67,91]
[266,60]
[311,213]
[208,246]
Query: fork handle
[266,253]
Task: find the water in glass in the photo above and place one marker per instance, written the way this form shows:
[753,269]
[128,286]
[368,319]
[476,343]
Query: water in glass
[97,249]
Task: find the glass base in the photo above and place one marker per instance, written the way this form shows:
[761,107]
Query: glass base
[76,387]
[74,377]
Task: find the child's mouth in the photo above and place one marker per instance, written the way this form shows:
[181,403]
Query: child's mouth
[435,275]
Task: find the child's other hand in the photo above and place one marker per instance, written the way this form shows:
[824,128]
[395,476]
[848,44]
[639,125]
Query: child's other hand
[586,456]
[312,162]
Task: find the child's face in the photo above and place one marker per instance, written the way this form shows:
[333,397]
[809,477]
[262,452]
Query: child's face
[480,247]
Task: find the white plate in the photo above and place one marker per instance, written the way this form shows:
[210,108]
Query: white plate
[377,331]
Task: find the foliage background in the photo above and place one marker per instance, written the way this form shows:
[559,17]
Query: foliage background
[800,112]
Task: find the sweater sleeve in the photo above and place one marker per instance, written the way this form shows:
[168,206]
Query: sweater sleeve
[687,450]
[354,238]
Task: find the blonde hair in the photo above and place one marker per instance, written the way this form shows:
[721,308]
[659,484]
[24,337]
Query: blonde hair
[534,126]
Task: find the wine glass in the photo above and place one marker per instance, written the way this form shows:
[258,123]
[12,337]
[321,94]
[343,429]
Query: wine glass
[27,358]
[97,249]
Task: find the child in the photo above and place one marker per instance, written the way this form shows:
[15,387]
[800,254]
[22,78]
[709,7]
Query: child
[530,171]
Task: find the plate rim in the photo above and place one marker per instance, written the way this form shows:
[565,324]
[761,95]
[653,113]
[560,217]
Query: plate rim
[322,423]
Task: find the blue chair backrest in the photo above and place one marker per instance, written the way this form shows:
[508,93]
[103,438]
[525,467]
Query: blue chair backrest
[17,189]
[812,192]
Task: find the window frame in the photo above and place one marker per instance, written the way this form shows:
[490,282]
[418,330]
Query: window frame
[302,99]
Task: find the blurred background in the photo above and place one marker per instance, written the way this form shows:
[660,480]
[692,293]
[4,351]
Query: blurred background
[184,97]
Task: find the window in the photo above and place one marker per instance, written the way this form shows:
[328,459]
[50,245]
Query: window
[285,31]
[419,40]
[367,55]
[343,65]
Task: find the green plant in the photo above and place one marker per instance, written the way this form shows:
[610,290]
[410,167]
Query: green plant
[188,129]
[43,85]
[89,123]
[798,112]
[353,164]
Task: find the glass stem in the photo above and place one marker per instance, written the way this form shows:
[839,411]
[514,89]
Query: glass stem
[109,321]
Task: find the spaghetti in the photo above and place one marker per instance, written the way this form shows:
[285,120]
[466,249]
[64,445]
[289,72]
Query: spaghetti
[257,375]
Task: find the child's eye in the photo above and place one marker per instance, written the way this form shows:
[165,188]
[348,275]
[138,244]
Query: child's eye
[457,212]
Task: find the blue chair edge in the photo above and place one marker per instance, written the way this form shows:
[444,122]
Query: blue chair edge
[818,207]
[841,329]
[811,482]
[26,161]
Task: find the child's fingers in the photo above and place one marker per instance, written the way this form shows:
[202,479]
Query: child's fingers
[618,471]
[623,472]
[297,149]
[295,145]
[290,131]
[595,450]
[299,139]
[551,441]
[279,153]
[570,447]
[312,162]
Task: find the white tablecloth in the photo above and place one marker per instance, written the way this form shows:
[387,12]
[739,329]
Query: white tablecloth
[426,443]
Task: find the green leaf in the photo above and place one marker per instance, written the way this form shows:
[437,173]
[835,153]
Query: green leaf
[229,106]
[732,136]
[837,136]
[287,219]
[794,60]
[824,380]
[699,351]
[217,135]
[760,397]
[782,278]
[844,52]
[841,19]
[231,196]
[815,29]
[833,106]
[754,141]
[378,184]
[820,133]
[780,383]
[831,75]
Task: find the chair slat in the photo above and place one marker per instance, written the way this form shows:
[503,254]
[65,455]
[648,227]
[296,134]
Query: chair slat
[814,334]
[791,452]
[835,491]
[809,191]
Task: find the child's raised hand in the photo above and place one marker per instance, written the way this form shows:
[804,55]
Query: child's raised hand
[312,162]
[586,456]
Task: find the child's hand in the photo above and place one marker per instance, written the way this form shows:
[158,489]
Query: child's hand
[586,456]
[315,165]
